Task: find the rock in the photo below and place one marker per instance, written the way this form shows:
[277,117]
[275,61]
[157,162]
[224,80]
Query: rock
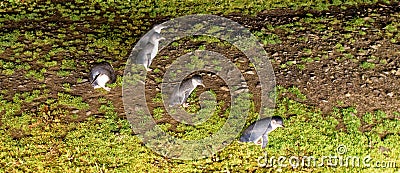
[224,88]
[397,72]
[249,72]
[374,79]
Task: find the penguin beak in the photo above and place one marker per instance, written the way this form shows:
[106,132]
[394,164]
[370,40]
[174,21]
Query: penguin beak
[282,126]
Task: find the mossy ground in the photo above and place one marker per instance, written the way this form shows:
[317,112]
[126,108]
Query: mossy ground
[52,121]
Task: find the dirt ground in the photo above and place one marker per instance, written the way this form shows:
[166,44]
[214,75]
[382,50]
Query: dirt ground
[328,82]
[332,81]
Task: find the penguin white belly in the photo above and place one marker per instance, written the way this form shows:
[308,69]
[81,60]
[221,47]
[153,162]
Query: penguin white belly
[101,81]
[154,52]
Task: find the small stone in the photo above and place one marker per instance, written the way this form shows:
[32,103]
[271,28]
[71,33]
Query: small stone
[391,94]
[241,91]
[374,79]
[375,46]
[88,113]
[75,111]
[249,72]
[348,95]
[397,72]
[224,88]
[241,60]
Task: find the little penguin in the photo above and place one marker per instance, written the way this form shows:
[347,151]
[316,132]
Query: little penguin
[182,91]
[148,46]
[149,51]
[100,74]
[259,130]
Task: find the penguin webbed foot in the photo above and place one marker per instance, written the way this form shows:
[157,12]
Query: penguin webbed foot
[107,88]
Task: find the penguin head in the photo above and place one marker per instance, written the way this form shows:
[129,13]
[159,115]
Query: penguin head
[158,28]
[276,121]
[197,80]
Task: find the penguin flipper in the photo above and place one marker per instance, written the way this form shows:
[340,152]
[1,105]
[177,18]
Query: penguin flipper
[175,97]
[94,79]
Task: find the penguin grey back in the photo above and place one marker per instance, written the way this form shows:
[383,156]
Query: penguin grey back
[147,47]
[260,129]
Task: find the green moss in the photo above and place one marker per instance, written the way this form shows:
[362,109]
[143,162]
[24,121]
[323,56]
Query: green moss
[367,65]
[73,101]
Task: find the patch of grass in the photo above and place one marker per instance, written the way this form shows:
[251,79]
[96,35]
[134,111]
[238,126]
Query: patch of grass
[367,65]
[68,64]
[158,113]
[307,51]
[195,63]
[67,87]
[307,59]
[391,28]
[340,47]
[157,98]
[301,66]
[72,101]
[63,73]
[267,38]
[39,75]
